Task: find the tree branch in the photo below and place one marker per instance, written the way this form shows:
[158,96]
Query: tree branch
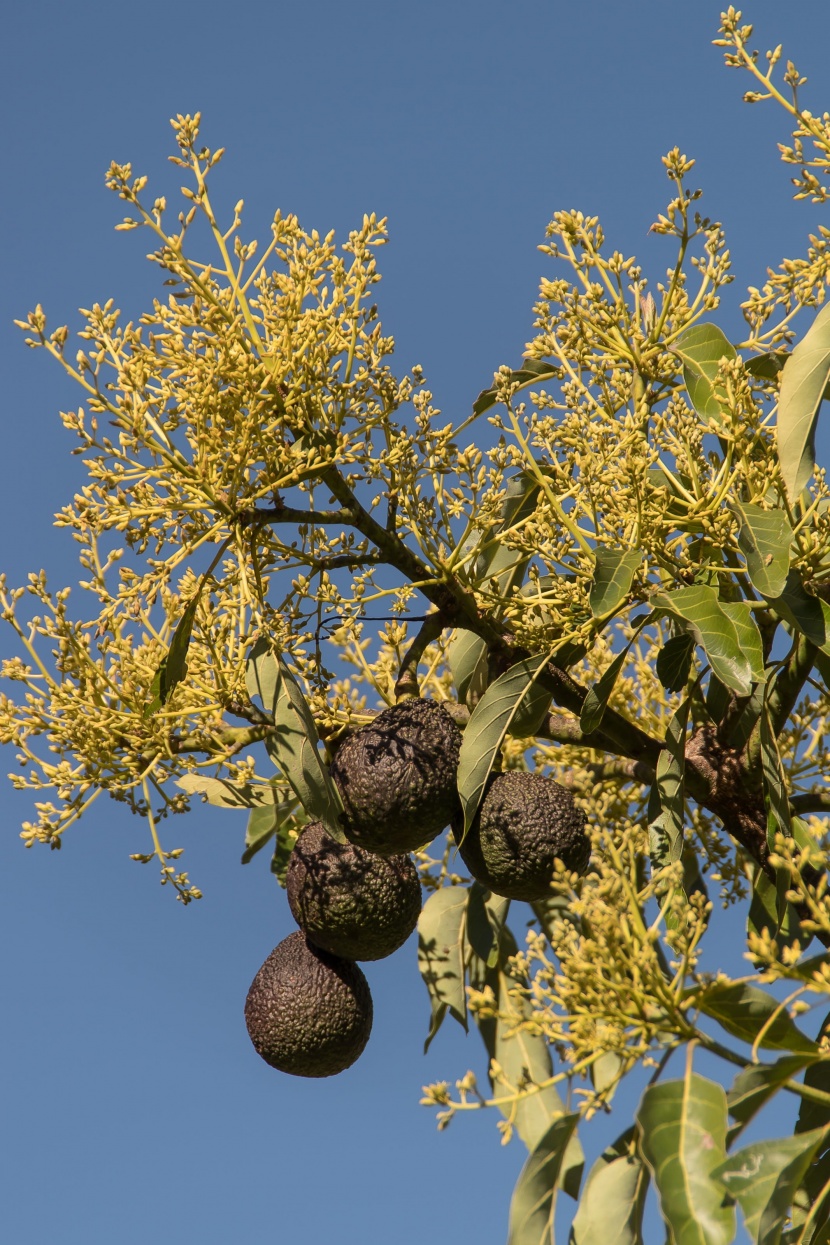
[406,683]
[618,767]
[810,802]
[715,777]
[338,560]
[293,514]
[458,606]
[615,734]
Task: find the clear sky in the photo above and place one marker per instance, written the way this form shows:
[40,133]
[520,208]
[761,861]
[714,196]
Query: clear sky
[133,1106]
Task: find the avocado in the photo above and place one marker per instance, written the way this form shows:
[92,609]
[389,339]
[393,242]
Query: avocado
[348,901]
[396,777]
[308,1013]
[524,823]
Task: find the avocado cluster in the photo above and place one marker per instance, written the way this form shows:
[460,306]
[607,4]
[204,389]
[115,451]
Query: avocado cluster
[309,1010]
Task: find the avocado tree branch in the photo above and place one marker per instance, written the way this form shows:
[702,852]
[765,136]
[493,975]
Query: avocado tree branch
[619,767]
[351,561]
[714,773]
[407,680]
[293,514]
[561,729]
[810,802]
[716,778]
[615,734]
[457,605]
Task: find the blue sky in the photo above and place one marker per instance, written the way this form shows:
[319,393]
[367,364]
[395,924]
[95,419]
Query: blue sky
[134,1108]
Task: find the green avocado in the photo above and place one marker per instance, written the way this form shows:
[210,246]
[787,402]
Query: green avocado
[308,1013]
[349,901]
[396,777]
[524,823]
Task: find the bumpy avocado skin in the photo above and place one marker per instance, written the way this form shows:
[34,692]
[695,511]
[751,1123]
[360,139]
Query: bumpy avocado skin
[308,1013]
[396,777]
[351,902]
[525,821]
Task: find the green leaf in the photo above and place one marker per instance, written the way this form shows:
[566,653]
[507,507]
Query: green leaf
[489,722]
[803,382]
[803,611]
[816,1114]
[272,821]
[775,782]
[823,667]
[821,1236]
[667,798]
[524,1059]
[757,1083]
[568,654]
[520,1059]
[683,1134]
[596,701]
[674,661]
[173,666]
[485,556]
[467,655]
[749,637]
[754,1016]
[693,880]
[496,560]
[281,857]
[532,711]
[766,912]
[701,349]
[767,366]
[764,1177]
[555,911]
[770,365]
[263,824]
[536,1111]
[533,1202]
[605,1072]
[486,915]
[764,538]
[535,590]
[294,745]
[441,955]
[469,662]
[224,794]
[533,370]
[718,699]
[811,1202]
[611,1207]
[699,608]
[262,674]
[745,721]
[805,970]
[613,577]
